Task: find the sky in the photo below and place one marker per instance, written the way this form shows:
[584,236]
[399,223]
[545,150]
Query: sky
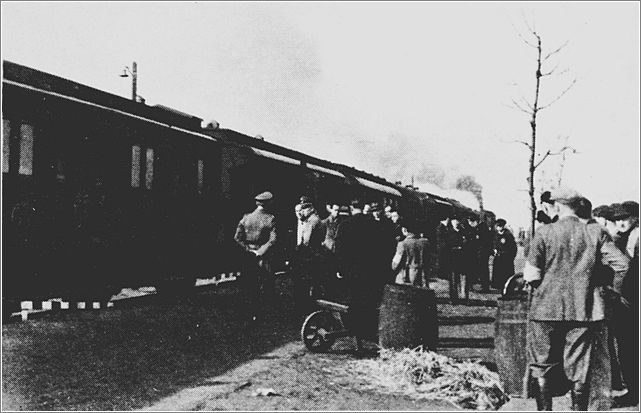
[410,91]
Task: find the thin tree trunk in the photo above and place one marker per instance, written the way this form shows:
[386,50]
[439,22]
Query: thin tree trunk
[535,109]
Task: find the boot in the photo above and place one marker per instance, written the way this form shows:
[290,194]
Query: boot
[544,395]
[580,398]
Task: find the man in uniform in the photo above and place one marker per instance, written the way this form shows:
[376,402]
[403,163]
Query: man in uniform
[566,327]
[256,234]
[505,250]
[478,252]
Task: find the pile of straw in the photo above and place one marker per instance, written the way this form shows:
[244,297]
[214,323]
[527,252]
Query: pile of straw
[422,374]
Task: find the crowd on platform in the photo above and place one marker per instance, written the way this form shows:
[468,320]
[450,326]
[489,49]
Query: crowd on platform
[581,270]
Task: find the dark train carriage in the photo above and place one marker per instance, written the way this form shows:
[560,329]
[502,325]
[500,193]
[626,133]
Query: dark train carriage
[100,192]
[253,165]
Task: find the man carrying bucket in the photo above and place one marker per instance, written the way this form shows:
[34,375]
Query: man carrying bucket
[566,327]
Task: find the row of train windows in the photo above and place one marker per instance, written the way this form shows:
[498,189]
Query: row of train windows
[142,165]
[21,141]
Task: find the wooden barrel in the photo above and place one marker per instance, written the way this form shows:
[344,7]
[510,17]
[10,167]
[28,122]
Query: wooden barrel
[407,317]
[509,343]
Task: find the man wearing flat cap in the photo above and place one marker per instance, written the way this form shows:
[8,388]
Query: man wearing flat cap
[625,320]
[309,259]
[256,235]
[548,209]
[566,322]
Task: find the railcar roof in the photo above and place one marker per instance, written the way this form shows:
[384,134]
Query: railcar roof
[16,73]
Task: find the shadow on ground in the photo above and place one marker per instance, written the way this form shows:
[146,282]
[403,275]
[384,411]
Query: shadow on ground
[127,358]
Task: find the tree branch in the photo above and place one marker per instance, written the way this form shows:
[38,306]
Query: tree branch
[524,143]
[527,103]
[519,107]
[560,96]
[556,51]
[551,71]
[548,153]
[518,33]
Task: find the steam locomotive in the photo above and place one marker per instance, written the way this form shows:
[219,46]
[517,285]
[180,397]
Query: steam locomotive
[101,192]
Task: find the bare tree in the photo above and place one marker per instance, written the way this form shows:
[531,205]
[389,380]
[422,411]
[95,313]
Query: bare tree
[532,109]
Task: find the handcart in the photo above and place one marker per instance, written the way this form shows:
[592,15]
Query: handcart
[323,327]
[405,317]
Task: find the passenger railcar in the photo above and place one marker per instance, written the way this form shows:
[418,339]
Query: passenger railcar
[101,192]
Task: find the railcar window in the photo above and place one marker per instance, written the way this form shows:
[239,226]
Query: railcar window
[135,166]
[60,170]
[6,134]
[26,150]
[200,166]
[149,173]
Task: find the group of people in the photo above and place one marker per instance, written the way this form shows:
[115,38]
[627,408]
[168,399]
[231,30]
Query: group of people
[351,248]
[365,245]
[582,268]
[464,247]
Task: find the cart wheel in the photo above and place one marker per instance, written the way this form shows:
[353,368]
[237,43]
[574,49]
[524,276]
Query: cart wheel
[316,327]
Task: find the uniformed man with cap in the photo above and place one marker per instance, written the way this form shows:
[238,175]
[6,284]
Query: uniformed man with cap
[505,250]
[566,321]
[256,234]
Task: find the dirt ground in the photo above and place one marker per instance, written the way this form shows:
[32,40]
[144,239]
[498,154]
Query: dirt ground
[195,353]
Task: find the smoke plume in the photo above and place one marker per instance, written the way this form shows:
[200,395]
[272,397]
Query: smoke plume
[468,183]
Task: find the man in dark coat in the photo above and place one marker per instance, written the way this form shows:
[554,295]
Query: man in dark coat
[357,243]
[256,235]
[387,239]
[478,252]
[504,253]
[566,321]
[442,254]
[456,245]
[625,320]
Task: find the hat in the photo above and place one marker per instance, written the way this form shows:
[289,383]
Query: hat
[632,207]
[603,211]
[305,202]
[265,196]
[545,197]
[343,210]
[563,194]
[501,222]
[619,212]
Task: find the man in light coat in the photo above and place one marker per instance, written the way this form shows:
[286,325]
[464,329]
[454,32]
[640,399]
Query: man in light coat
[566,322]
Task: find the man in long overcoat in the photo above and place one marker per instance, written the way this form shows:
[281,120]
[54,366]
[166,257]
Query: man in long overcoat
[357,244]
